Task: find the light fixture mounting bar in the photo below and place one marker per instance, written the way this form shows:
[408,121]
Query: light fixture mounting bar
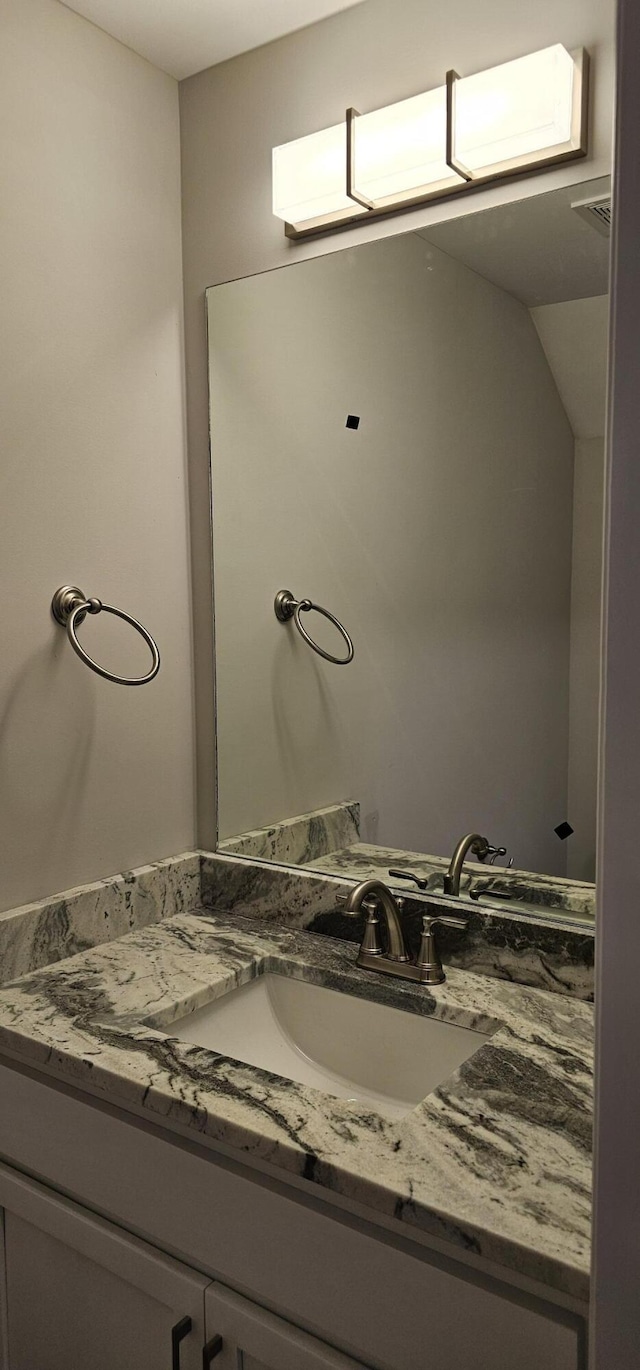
[352,115]
[451,78]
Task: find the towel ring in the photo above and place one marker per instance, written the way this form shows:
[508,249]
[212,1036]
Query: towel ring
[70,607]
[287,606]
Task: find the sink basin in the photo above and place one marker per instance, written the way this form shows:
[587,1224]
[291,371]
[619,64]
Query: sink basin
[351,1048]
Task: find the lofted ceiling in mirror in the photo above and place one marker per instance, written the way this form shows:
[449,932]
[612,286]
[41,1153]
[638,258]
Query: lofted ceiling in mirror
[552,253]
[541,250]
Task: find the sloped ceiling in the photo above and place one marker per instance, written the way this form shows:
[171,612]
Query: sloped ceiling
[537,249]
[185,36]
[574,337]
[544,254]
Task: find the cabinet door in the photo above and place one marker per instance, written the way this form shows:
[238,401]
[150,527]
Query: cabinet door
[83,1295]
[243,1336]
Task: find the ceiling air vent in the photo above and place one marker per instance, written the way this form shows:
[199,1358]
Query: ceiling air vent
[597,212]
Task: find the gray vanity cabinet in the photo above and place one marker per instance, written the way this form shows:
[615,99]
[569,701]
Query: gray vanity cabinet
[79,1294]
[80,1291]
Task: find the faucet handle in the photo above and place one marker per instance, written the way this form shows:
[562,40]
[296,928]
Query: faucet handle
[371,940]
[429,963]
[492,853]
[422,883]
[430,920]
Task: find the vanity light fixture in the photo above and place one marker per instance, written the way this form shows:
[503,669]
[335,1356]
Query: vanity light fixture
[522,115]
[309,181]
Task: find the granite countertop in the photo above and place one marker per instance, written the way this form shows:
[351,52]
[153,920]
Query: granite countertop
[496,1161]
[543,895]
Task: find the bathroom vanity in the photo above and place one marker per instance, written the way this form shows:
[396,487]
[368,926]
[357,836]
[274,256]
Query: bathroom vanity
[166,1203]
[222,1142]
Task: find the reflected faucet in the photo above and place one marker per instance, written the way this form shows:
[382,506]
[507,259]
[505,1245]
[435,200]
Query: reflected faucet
[480,847]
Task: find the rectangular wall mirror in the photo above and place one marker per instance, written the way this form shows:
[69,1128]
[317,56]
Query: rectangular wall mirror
[410,434]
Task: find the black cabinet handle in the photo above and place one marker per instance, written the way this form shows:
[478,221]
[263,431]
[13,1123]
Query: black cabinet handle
[178,1334]
[210,1351]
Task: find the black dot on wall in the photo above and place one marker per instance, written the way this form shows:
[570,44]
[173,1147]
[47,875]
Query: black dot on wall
[353,421]
[563,831]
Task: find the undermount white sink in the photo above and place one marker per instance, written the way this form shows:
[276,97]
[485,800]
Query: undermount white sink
[351,1048]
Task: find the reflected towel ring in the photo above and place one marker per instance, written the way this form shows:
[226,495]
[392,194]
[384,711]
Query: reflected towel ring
[70,606]
[287,606]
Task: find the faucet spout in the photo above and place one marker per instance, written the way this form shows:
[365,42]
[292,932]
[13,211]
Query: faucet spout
[376,889]
[472,842]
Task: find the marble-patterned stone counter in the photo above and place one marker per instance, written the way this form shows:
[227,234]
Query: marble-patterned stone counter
[495,1161]
[296,841]
[551,954]
[51,929]
[291,895]
[530,892]
[559,959]
[328,840]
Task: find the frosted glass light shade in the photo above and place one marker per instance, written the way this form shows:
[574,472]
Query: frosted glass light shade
[516,117]
[310,180]
[527,111]
[399,153]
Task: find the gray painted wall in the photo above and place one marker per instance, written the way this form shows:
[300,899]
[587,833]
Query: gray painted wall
[574,335]
[584,677]
[93,778]
[233,114]
[440,532]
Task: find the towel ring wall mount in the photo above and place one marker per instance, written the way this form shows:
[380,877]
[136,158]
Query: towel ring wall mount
[287,607]
[70,607]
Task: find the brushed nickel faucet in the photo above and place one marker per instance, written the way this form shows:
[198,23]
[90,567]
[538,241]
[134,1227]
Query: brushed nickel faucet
[372,895]
[480,847]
